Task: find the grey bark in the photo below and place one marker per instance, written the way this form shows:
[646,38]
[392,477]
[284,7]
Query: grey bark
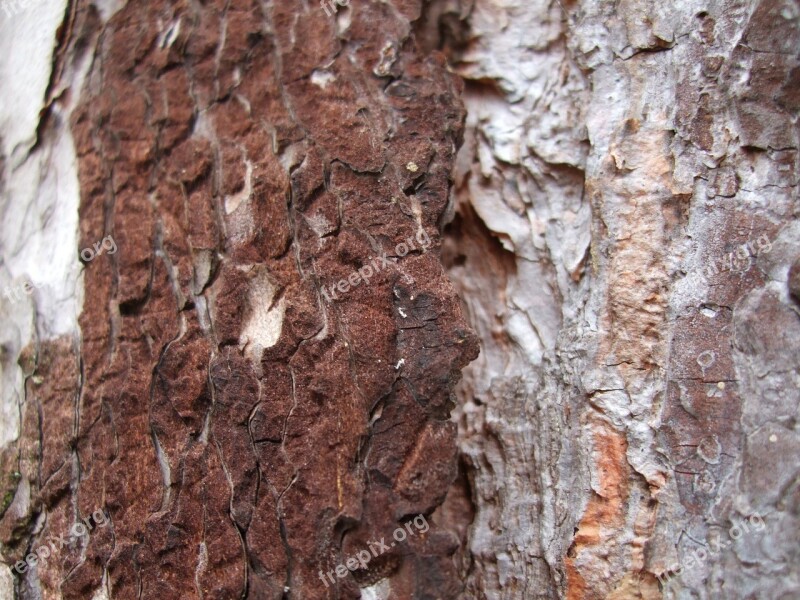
[627,219]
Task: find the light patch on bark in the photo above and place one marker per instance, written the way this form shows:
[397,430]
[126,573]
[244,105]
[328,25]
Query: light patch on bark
[234,201]
[27,42]
[101,593]
[378,591]
[263,324]
[6,582]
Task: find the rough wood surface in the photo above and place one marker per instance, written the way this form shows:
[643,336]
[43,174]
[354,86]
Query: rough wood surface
[627,220]
[248,406]
[246,427]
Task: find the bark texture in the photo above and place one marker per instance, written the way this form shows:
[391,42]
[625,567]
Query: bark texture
[250,408]
[625,241]
[245,426]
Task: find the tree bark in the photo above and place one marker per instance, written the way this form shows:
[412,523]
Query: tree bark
[262,240]
[258,384]
[625,241]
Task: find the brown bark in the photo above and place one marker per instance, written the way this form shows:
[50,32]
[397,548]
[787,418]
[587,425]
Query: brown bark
[246,427]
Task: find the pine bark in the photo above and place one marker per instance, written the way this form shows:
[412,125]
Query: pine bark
[303,221]
[626,244]
[258,385]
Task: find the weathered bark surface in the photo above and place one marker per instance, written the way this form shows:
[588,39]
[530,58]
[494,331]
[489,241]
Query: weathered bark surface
[631,401]
[245,427]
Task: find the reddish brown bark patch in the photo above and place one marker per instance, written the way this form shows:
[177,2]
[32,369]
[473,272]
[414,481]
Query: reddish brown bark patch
[244,428]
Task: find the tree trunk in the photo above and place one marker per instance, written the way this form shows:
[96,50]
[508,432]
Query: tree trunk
[248,248]
[627,222]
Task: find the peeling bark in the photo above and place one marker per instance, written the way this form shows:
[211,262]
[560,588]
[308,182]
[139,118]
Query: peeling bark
[627,216]
[248,379]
